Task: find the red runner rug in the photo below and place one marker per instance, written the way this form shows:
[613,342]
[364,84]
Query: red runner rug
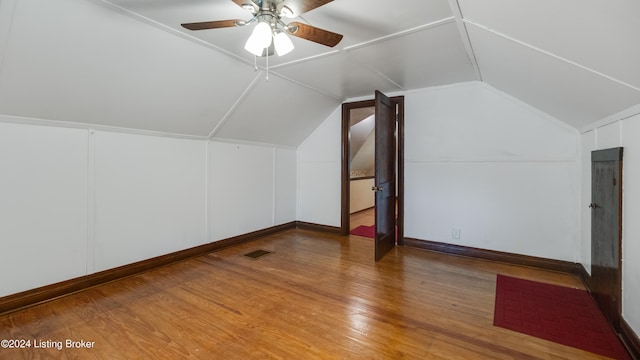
[366,231]
[560,314]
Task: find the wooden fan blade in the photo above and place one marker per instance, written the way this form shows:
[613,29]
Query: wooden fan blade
[213,24]
[298,7]
[314,34]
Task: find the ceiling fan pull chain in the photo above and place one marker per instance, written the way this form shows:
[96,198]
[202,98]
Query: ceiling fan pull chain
[267,64]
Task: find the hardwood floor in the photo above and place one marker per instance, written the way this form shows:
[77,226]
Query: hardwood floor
[365,217]
[317,296]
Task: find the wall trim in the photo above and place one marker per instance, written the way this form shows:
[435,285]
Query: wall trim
[345,200]
[362,178]
[619,116]
[22,120]
[317,227]
[401,33]
[46,293]
[630,339]
[627,335]
[550,54]
[363,210]
[517,259]
[585,277]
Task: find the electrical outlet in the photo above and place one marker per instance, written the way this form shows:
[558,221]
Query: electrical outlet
[455,234]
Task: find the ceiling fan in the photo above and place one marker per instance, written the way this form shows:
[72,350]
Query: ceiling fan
[270,31]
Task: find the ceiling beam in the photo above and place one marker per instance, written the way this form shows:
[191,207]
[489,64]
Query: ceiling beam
[464,35]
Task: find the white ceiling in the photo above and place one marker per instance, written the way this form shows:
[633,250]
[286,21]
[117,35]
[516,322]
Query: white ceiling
[129,63]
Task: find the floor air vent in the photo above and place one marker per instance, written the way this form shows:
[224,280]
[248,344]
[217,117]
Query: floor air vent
[254,255]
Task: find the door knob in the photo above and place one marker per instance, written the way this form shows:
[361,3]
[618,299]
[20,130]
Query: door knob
[376,188]
[593,206]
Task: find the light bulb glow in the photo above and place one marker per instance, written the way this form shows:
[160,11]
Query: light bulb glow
[262,34]
[260,38]
[282,43]
[253,47]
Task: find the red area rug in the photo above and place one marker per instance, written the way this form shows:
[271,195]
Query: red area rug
[366,231]
[559,314]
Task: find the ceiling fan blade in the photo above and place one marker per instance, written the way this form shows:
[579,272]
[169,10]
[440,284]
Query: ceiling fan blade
[298,7]
[314,34]
[213,24]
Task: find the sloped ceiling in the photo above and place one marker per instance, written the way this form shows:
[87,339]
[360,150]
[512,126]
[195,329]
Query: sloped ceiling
[129,64]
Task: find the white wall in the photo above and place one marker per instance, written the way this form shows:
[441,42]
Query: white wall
[364,160]
[319,172]
[150,197]
[619,130]
[43,205]
[78,201]
[251,187]
[285,186]
[504,174]
[588,144]
[360,195]
[631,227]
[473,161]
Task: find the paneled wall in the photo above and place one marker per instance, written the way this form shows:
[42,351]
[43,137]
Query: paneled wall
[285,186]
[251,187]
[619,130]
[77,201]
[319,172]
[43,205]
[149,197]
[498,172]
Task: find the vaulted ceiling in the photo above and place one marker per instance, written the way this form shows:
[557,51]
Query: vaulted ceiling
[129,63]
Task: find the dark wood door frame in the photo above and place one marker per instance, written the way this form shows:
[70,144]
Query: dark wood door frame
[345,201]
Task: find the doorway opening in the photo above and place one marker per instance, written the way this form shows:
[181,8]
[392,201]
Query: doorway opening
[355,113]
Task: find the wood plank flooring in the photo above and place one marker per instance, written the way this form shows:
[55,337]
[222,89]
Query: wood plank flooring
[317,296]
[365,217]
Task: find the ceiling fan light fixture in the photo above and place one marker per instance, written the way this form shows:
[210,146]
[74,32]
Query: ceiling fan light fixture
[260,38]
[269,27]
[253,47]
[282,43]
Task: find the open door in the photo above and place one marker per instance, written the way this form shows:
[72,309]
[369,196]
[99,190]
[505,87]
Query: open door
[385,183]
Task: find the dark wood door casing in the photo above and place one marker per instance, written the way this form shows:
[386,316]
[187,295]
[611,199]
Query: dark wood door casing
[606,232]
[346,111]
